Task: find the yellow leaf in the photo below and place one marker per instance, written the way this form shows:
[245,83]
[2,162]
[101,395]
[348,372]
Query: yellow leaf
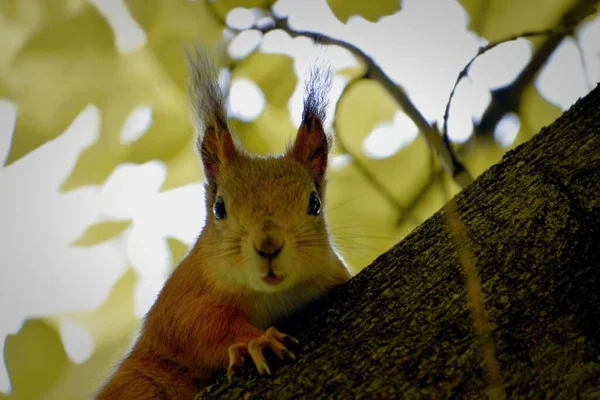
[35,359]
[101,231]
[269,133]
[171,27]
[273,129]
[115,318]
[488,152]
[111,328]
[34,12]
[535,112]
[373,227]
[365,105]
[222,7]
[71,61]
[497,19]
[353,72]
[273,73]
[178,250]
[129,88]
[62,68]
[183,168]
[369,10]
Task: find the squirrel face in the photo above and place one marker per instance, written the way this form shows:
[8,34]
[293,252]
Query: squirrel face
[265,214]
[265,231]
[266,218]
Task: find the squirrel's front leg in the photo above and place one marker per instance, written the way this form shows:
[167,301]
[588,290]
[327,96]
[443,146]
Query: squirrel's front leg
[217,336]
[272,339]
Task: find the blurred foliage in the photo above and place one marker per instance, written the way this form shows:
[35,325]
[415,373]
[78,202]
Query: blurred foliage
[497,19]
[57,56]
[100,232]
[274,75]
[371,11]
[38,365]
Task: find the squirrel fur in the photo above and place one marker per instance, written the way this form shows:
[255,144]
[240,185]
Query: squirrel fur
[263,254]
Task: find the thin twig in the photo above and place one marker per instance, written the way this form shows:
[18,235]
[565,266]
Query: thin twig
[464,72]
[508,98]
[584,68]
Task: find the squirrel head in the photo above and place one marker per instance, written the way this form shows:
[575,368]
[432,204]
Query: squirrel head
[265,214]
[265,228]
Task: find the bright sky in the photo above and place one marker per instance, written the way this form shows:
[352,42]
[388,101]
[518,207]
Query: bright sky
[35,212]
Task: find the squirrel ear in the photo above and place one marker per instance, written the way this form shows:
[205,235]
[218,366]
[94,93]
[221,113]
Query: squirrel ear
[312,143]
[311,148]
[216,150]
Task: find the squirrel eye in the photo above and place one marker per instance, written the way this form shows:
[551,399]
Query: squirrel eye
[314,204]
[219,208]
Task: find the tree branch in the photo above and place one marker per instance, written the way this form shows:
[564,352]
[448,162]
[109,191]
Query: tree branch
[508,99]
[403,328]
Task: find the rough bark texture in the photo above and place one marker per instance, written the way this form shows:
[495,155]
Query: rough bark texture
[402,328]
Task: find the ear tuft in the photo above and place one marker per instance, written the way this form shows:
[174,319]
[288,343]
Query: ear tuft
[206,95]
[312,144]
[215,143]
[316,94]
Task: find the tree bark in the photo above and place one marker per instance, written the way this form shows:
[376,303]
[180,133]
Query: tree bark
[403,327]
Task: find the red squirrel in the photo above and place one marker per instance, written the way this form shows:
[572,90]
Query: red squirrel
[263,254]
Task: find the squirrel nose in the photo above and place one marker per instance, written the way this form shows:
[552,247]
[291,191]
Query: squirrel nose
[269,247]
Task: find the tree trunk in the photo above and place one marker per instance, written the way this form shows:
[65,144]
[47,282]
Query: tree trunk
[403,327]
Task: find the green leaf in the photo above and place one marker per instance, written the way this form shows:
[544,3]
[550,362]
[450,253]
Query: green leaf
[171,27]
[61,68]
[498,19]
[369,10]
[373,229]
[101,232]
[273,129]
[535,112]
[35,359]
[269,133]
[367,99]
[273,73]
[114,319]
[112,327]
[155,76]
[178,250]
[222,7]
[183,168]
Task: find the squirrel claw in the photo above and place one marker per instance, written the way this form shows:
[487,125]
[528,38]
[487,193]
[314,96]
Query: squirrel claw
[291,339]
[230,374]
[272,339]
[237,352]
[266,367]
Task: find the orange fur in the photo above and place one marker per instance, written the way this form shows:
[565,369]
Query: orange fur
[266,259]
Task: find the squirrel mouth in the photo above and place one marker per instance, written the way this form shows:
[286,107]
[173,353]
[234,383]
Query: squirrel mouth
[273,279]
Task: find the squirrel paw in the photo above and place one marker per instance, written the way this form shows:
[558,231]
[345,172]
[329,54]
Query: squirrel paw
[272,339]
